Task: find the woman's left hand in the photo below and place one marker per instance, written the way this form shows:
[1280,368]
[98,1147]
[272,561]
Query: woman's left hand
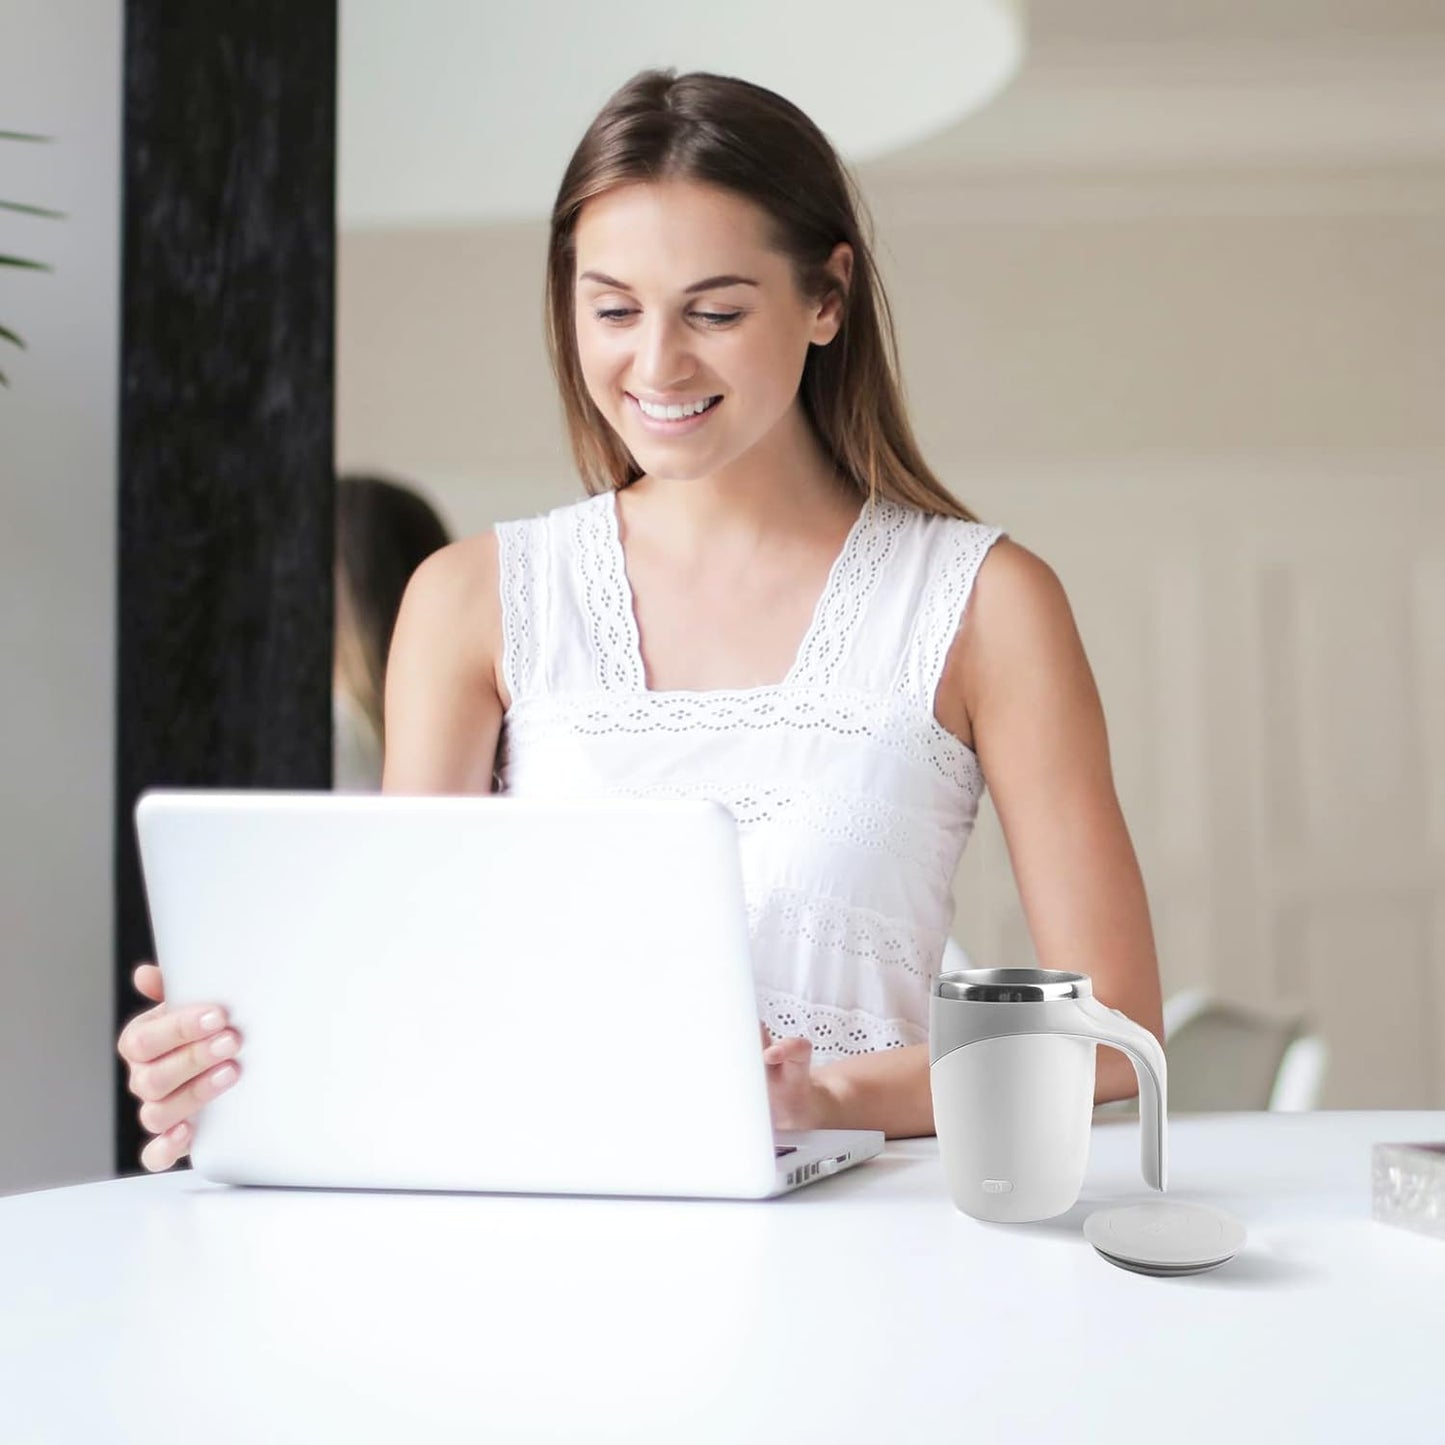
[796,1098]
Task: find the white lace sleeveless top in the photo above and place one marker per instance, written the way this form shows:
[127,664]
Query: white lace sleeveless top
[853,803]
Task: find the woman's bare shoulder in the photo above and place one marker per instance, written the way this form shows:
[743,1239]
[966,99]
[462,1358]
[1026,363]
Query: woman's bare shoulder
[452,607]
[1010,578]
[444,703]
[463,569]
[1017,619]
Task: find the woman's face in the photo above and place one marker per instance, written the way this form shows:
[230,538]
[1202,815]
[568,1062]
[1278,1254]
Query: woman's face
[681,303]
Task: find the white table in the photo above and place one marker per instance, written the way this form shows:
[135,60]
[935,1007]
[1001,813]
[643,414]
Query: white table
[865,1307]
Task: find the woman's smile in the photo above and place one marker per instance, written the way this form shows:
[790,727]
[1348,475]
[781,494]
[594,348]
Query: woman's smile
[672,419]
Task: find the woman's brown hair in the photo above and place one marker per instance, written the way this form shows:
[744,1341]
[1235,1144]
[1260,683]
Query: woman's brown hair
[730,133]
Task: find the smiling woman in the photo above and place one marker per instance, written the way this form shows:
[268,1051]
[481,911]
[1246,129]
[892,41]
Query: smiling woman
[771,602]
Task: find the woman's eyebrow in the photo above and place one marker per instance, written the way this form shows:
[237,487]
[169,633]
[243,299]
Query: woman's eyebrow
[710,283]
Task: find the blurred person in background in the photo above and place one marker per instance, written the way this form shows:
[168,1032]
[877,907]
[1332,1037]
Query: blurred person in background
[384,531]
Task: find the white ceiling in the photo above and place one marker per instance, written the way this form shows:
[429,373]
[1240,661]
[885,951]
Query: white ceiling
[1173,85]
[1216,83]
[465,110]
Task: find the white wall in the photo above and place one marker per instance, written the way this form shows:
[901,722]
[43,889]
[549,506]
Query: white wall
[60,75]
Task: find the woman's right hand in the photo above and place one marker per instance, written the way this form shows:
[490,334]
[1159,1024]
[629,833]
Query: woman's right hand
[175,1059]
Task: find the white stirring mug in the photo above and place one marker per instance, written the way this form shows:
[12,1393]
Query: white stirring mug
[1011,1055]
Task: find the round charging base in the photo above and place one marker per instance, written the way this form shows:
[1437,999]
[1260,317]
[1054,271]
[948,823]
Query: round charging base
[1165,1237]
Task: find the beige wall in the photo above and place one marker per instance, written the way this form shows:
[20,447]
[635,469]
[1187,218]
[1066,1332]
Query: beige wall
[1213,403]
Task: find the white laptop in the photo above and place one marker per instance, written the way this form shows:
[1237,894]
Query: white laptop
[475,993]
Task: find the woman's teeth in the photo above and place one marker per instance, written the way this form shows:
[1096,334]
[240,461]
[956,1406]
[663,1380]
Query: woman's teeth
[674,413]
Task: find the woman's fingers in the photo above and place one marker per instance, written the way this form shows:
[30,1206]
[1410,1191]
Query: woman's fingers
[179,1059]
[163,1151]
[784,1048]
[788,1050]
[159,1079]
[161,1114]
[795,1098]
[148,981]
[159,1030]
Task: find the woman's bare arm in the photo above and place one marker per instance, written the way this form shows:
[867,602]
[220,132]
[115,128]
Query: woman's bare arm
[1018,688]
[444,693]
[1041,739]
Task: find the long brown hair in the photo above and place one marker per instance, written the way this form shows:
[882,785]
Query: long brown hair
[730,133]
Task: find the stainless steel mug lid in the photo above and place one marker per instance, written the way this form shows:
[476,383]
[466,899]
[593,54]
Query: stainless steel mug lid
[1011,985]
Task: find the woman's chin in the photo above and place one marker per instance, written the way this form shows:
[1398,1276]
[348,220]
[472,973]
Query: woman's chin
[658,464]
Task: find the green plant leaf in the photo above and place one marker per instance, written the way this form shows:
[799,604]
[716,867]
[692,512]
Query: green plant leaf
[15,206]
[32,210]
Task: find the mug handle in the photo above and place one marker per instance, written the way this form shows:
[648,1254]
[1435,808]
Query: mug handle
[1119,1031]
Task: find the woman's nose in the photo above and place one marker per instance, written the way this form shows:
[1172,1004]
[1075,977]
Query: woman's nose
[663,359]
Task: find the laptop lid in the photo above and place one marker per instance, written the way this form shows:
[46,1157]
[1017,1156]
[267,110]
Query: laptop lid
[467,992]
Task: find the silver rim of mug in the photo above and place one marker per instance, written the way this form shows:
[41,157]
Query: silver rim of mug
[1011,985]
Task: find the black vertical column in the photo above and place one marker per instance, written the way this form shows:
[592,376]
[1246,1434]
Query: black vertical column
[226,468]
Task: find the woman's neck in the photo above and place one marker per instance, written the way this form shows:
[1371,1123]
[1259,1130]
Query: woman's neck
[784,484]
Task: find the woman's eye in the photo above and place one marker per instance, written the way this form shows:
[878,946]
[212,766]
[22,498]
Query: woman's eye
[616,314]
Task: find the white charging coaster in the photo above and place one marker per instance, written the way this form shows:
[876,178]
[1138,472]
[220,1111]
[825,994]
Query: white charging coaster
[1165,1236]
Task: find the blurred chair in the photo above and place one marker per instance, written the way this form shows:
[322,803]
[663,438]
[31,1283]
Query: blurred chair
[1225,1056]
[953,957]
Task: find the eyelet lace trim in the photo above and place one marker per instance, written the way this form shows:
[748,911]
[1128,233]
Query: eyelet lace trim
[860,820]
[941,610]
[851,583]
[612,621]
[894,722]
[611,625]
[516,561]
[835,1032]
[843,930]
